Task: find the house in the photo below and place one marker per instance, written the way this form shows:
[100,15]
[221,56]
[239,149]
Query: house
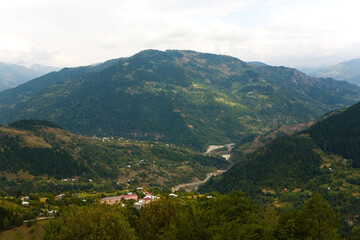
[59,197]
[117,199]
[147,200]
[111,200]
[52,213]
[130,196]
[26,198]
[148,194]
[139,204]
[25,203]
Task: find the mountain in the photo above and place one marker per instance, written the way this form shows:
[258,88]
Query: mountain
[27,90]
[36,156]
[261,64]
[347,71]
[183,97]
[291,161]
[325,158]
[12,75]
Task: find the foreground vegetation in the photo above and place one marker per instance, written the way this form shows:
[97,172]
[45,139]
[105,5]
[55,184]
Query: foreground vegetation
[220,217]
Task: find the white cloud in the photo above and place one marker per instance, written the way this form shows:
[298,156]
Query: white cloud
[72,33]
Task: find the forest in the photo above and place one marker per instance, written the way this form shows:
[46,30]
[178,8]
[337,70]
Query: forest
[215,216]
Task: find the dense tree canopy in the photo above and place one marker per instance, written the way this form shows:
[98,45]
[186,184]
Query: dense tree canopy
[219,217]
[97,223]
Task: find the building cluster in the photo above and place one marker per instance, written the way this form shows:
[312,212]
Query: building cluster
[145,200]
[118,199]
[130,196]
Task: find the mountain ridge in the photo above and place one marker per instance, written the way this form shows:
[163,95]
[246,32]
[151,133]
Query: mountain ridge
[345,71]
[12,75]
[177,96]
[336,133]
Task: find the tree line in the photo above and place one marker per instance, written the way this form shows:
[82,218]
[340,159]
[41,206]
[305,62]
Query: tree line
[229,216]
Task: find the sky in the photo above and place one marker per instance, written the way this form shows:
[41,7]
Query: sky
[69,33]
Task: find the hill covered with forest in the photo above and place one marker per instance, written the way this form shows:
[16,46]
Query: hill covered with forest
[182,97]
[38,156]
[321,159]
[294,160]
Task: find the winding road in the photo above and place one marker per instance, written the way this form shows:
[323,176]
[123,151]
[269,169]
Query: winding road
[196,184]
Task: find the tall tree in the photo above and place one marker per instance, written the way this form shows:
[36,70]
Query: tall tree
[317,220]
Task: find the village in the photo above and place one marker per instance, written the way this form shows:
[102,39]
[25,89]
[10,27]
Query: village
[148,198]
[48,206]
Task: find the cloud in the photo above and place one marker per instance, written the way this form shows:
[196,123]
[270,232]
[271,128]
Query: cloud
[31,56]
[72,33]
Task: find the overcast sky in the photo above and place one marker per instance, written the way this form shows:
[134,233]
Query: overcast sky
[294,33]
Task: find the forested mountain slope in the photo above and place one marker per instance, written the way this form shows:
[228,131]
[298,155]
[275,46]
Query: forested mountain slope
[293,160]
[182,97]
[36,155]
[323,158]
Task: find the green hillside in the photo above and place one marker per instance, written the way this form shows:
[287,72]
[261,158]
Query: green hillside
[323,158]
[183,97]
[286,162]
[36,156]
[27,90]
[290,161]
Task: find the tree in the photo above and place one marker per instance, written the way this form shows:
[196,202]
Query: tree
[155,218]
[96,222]
[317,220]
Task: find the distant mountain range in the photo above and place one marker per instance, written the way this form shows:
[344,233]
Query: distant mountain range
[12,75]
[184,97]
[347,71]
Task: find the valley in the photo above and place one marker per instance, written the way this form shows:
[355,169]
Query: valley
[285,170]
[194,185]
[179,120]
[177,126]
[69,161]
[221,150]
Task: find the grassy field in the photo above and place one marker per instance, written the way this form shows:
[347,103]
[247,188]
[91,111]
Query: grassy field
[25,232]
